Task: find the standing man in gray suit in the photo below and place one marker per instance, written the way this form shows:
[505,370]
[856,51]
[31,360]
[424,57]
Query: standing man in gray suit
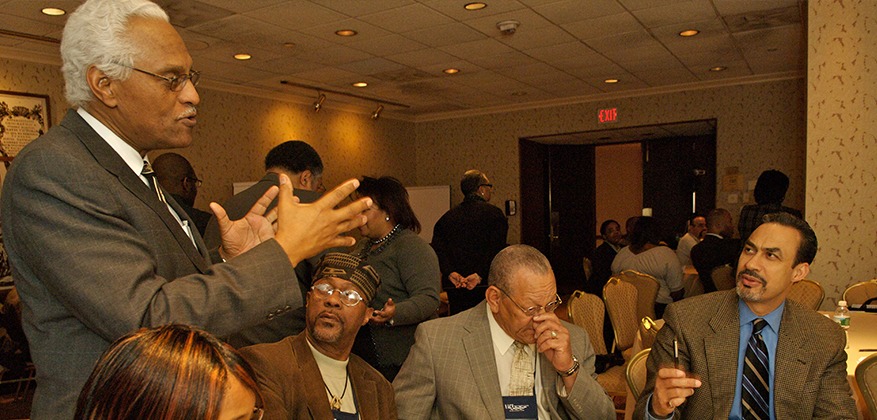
[98,250]
[751,353]
[508,356]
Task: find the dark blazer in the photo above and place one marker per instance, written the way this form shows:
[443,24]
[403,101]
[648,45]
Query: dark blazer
[712,252]
[601,264]
[466,239]
[810,381]
[289,380]
[95,256]
[451,373]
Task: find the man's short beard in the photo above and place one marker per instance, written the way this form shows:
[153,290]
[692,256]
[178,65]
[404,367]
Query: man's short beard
[748,294]
[328,336]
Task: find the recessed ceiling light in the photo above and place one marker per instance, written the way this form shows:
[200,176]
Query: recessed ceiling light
[54,11]
[360,84]
[718,68]
[475,6]
[610,81]
[242,56]
[689,32]
[451,71]
[289,44]
[345,32]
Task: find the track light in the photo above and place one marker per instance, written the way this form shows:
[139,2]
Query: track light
[377,113]
[318,104]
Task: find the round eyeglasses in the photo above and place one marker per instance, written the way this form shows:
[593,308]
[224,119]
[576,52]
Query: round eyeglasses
[175,83]
[535,310]
[348,297]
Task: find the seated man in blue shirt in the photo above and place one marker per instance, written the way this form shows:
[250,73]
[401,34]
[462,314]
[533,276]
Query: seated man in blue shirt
[789,361]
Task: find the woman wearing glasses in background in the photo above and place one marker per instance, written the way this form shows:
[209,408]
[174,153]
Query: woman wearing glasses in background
[170,372]
[409,270]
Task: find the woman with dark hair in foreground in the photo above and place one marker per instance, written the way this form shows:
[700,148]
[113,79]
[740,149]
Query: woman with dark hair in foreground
[170,372]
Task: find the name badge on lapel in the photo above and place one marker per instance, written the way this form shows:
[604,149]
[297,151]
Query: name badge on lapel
[520,407]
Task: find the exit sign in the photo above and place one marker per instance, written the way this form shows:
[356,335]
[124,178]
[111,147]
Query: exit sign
[607,115]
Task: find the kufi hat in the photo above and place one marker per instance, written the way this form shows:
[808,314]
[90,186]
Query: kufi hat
[350,268]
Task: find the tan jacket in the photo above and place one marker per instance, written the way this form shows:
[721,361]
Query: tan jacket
[292,387]
[810,381]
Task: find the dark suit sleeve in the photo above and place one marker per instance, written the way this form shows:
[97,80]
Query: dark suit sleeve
[87,245]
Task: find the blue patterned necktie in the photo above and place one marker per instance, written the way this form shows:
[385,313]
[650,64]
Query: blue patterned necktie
[756,376]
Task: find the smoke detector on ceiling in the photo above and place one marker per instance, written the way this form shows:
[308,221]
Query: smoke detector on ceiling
[508,27]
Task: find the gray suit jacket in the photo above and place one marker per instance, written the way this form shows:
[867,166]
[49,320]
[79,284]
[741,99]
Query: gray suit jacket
[95,256]
[450,373]
[810,381]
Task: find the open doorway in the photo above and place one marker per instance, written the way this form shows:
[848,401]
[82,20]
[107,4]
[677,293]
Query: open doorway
[572,182]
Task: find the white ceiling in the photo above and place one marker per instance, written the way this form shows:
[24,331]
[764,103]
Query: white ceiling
[562,51]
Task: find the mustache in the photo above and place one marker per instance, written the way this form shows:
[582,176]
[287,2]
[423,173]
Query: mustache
[189,112]
[751,273]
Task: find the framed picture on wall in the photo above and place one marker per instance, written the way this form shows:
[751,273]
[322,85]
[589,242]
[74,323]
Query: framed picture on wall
[23,118]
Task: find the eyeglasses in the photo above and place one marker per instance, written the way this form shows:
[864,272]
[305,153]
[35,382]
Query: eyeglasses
[257,413]
[348,297]
[197,181]
[534,310]
[175,83]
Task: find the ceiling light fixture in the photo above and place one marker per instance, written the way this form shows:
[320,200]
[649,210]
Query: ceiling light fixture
[377,113]
[508,27]
[611,81]
[689,32]
[474,6]
[345,32]
[718,68]
[360,84]
[289,44]
[53,11]
[451,71]
[318,104]
[242,56]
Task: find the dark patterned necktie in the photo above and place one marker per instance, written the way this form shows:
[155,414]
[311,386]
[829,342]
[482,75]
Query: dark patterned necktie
[756,375]
[149,174]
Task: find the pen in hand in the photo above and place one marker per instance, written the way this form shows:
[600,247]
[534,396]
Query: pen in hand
[676,353]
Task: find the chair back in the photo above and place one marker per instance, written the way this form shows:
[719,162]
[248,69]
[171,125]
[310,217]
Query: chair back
[866,377]
[646,291]
[636,372]
[723,277]
[587,311]
[859,293]
[648,330]
[808,293]
[588,269]
[620,298]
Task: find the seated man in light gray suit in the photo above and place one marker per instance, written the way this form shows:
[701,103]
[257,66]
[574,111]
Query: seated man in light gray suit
[98,250]
[508,356]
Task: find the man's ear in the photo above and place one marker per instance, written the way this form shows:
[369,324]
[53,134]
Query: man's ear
[305,178]
[101,86]
[368,315]
[492,296]
[800,272]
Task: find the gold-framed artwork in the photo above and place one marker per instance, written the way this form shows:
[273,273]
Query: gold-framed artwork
[23,118]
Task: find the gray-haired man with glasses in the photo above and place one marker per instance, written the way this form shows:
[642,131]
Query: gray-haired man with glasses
[508,357]
[98,249]
[291,370]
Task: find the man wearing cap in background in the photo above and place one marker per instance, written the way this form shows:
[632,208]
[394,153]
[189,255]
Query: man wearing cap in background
[291,371]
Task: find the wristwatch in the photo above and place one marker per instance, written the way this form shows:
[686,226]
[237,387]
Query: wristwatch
[572,370]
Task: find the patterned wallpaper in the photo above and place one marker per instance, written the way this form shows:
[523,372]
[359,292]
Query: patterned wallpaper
[759,126]
[41,79]
[842,142]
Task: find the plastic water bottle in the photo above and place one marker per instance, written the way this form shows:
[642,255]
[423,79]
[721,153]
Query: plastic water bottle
[842,315]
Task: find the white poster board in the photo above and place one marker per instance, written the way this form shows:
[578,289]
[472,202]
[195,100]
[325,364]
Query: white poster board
[430,204]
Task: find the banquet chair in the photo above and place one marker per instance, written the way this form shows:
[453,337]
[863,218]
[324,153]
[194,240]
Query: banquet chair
[859,293]
[646,291]
[587,311]
[866,378]
[808,293]
[621,303]
[723,277]
[648,330]
[636,372]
